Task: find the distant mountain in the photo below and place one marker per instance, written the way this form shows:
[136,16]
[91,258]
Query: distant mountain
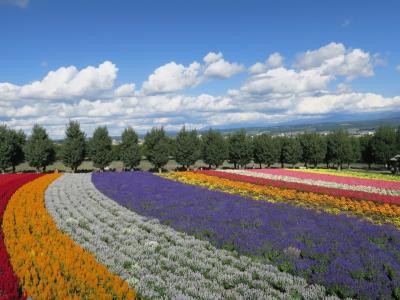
[354,126]
[358,125]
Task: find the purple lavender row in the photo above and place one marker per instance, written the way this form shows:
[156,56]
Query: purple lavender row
[349,256]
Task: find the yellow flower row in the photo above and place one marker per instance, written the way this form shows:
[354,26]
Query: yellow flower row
[376,212]
[348,173]
[48,263]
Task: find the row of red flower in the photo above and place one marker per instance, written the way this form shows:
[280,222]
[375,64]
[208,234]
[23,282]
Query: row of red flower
[9,284]
[305,187]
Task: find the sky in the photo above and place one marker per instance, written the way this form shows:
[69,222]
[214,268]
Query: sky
[200,64]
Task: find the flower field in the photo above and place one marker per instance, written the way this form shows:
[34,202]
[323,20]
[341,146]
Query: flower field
[354,174]
[9,283]
[266,177]
[232,234]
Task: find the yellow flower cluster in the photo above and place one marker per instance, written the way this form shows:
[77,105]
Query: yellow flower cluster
[376,212]
[348,173]
[49,264]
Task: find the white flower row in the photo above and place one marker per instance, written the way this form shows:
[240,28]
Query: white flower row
[328,184]
[158,261]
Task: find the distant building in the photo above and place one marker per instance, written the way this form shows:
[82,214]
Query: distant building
[365,132]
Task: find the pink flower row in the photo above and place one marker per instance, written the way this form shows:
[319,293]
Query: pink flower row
[306,187]
[383,184]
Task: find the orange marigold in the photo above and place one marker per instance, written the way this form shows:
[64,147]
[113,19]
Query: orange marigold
[48,262]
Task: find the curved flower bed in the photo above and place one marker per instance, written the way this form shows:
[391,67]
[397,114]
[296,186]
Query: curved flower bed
[351,186]
[9,283]
[348,173]
[48,263]
[350,257]
[159,261]
[379,184]
[305,187]
[376,212]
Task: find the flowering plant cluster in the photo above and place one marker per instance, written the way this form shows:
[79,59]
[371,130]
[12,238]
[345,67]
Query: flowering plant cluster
[47,262]
[348,183]
[160,262]
[349,256]
[297,184]
[376,212]
[356,174]
[9,283]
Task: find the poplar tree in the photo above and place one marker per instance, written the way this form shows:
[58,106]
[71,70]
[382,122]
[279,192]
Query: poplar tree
[129,150]
[214,148]
[187,148]
[6,149]
[366,150]
[339,147]
[313,148]
[100,146]
[39,149]
[265,150]
[239,148]
[384,145]
[290,151]
[157,148]
[74,146]
[18,140]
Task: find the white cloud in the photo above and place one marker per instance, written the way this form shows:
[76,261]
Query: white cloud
[282,80]
[315,58]
[125,90]
[275,60]
[213,57]
[345,103]
[398,68]
[172,77]
[343,87]
[217,66]
[64,83]
[335,60]
[317,86]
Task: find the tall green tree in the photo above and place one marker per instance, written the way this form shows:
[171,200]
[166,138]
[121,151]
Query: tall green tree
[214,148]
[384,145]
[366,151]
[339,147]
[398,140]
[100,147]
[157,148]
[290,151]
[355,151]
[265,150]
[18,140]
[74,146]
[313,148]
[187,150]
[39,149]
[239,149]
[6,148]
[129,151]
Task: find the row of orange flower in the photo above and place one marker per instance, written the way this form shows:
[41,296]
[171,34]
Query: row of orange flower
[376,212]
[48,263]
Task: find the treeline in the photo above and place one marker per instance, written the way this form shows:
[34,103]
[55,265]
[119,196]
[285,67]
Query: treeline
[337,149]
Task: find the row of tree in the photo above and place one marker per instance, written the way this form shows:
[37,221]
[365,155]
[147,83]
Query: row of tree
[335,149]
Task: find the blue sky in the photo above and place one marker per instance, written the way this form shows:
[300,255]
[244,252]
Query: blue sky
[137,37]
